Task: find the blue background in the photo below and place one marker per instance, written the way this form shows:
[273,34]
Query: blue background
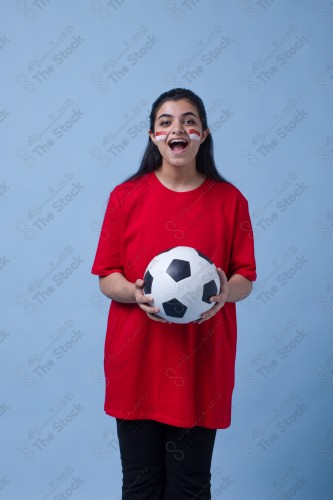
[77,82]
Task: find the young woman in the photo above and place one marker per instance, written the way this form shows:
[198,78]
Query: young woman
[170,385]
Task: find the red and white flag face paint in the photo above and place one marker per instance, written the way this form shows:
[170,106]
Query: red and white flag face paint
[194,134]
[161,136]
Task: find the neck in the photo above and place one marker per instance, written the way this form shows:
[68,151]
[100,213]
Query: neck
[180,178]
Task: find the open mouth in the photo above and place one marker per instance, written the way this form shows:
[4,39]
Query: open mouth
[178,145]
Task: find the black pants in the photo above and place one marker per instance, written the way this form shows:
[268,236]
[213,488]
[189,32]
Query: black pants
[164,462]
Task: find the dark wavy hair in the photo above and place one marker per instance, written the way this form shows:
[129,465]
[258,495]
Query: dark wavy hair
[152,158]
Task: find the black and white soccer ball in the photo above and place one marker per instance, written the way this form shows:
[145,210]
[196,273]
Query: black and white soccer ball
[181,281]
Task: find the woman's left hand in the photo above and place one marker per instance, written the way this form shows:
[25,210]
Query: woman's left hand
[220,299]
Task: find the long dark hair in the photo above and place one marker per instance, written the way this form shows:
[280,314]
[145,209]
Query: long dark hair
[152,158]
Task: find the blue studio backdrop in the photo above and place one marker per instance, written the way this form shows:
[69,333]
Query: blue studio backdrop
[77,82]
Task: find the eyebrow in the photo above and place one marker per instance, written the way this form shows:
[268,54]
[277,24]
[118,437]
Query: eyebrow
[188,113]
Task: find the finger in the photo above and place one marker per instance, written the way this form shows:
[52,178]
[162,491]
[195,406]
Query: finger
[223,282]
[139,283]
[212,311]
[221,297]
[205,318]
[148,308]
[209,314]
[223,276]
[157,318]
[202,320]
[145,299]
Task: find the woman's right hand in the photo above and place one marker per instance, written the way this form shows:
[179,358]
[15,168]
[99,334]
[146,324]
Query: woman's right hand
[145,303]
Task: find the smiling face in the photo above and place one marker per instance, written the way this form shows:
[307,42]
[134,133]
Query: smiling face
[178,133]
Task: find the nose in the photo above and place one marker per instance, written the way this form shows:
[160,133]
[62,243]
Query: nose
[178,127]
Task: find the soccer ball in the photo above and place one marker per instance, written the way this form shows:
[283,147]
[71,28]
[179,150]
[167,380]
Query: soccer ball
[181,281]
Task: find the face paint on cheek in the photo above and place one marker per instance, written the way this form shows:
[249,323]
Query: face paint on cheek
[194,134]
[160,136]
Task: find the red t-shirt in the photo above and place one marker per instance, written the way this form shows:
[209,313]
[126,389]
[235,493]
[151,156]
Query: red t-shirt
[179,374]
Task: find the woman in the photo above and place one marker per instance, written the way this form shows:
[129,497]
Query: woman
[170,385]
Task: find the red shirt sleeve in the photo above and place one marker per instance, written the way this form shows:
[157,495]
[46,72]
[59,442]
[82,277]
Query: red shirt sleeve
[108,257]
[242,259]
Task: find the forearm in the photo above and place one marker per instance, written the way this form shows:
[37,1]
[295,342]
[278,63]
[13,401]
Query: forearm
[117,287]
[238,288]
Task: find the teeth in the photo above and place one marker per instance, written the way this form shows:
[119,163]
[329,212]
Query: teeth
[178,140]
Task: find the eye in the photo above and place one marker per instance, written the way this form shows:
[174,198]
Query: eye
[165,123]
[190,121]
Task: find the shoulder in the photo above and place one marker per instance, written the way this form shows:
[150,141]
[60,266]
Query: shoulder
[130,188]
[229,192]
